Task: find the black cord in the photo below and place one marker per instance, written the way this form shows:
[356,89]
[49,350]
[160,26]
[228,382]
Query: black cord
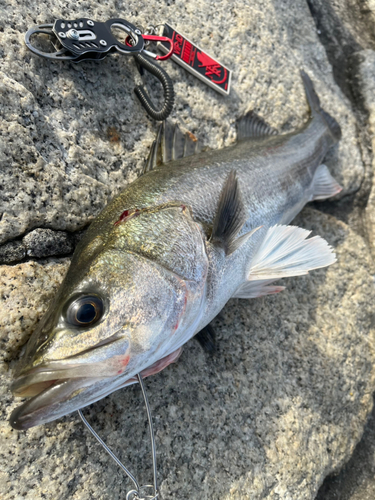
[167,84]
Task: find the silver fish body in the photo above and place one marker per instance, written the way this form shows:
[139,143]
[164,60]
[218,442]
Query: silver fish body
[151,262]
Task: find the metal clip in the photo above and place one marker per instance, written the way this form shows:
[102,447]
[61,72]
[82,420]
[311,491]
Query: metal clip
[139,492]
[84,39]
[154,38]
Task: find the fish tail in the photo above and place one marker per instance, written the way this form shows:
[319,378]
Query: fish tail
[316,109]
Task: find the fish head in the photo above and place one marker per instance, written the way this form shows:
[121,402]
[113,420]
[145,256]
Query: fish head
[115,314]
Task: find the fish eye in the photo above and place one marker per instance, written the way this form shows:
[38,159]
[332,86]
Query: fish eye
[85,310]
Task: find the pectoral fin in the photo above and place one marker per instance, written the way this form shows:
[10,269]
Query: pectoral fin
[285,251]
[230,217]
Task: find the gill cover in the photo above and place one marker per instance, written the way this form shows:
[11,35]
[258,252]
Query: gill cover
[116,311]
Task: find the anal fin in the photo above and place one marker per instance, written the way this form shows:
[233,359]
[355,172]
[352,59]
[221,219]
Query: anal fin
[324,185]
[285,251]
[253,289]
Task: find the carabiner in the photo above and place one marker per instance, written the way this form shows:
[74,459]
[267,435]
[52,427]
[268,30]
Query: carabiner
[153,38]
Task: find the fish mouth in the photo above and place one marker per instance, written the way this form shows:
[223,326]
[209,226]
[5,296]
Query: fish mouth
[61,387]
[47,405]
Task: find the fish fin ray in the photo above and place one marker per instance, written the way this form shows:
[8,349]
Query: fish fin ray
[171,144]
[253,289]
[178,143]
[252,126]
[230,217]
[324,185]
[154,158]
[149,161]
[285,251]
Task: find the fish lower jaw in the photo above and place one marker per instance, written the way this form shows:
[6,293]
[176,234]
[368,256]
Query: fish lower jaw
[51,397]
[50,403]
[33,389]
[36,381]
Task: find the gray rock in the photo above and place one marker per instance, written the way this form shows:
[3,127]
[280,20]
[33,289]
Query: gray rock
[356,479]
[26,289]
[60,158]
[365,75]
[284,401]
[344,28]
[11,252]
[280,405]
[45,243]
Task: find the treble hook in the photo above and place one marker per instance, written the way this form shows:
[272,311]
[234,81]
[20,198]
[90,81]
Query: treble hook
[135,493]
[140,91]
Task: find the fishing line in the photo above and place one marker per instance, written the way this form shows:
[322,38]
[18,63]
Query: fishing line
[135,494]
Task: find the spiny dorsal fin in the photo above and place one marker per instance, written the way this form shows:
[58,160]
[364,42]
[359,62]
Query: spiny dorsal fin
[171,144]
[285,251]
[154,157]
[178,143]
[167,141]
[251,125]
[230,217]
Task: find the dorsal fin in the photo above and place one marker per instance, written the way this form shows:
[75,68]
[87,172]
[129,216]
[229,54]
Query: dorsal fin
[178,143]
[251,125]
[171,144]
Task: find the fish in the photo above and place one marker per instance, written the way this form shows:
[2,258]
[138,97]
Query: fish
[162,259]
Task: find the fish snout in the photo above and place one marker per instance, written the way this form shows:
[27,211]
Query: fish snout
[102,361]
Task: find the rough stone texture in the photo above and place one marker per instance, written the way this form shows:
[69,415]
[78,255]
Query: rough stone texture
[344,27]
[25,289]
[45,242]
[356,479]
[284,400]
[60,158]
[280,405]
[39,243]
[14,251]
[366,82]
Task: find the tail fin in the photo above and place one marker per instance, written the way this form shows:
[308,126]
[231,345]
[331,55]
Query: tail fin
[314,104]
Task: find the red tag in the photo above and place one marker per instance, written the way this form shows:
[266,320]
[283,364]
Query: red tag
[198,62]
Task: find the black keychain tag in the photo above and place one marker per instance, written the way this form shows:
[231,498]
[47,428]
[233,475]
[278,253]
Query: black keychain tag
[197,61]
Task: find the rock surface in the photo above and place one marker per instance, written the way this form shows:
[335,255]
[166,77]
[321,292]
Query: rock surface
[60,158]
[366,77]
[284,401]
[356,479]
[281,403]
